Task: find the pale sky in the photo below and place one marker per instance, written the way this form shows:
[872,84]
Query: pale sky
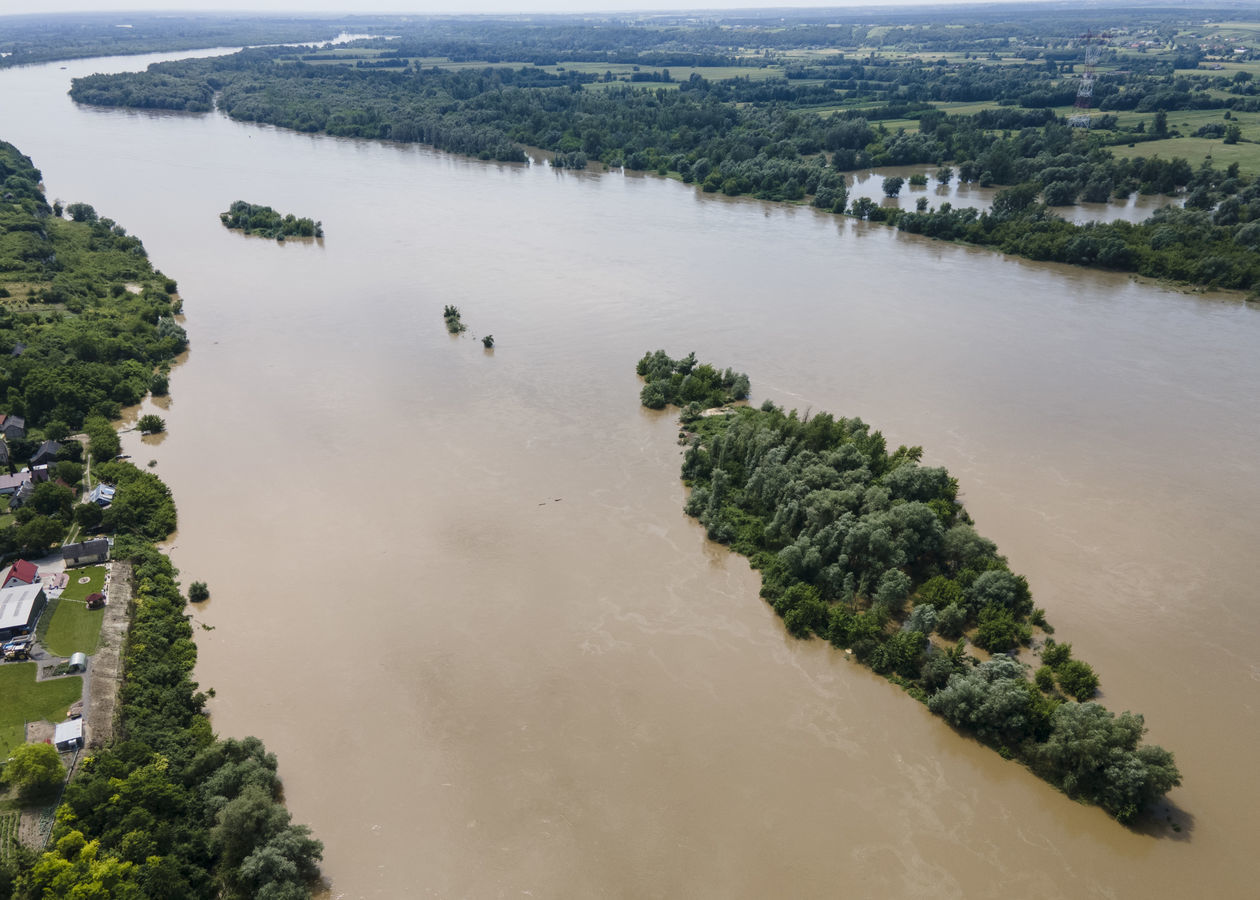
[366,7]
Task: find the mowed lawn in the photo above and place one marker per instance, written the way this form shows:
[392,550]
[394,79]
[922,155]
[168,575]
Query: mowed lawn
[95,576]
[72,627]
[24,700]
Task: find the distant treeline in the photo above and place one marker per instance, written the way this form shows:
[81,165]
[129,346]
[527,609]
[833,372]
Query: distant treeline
[32,39]
[728,137]
[263,220]
[874,552]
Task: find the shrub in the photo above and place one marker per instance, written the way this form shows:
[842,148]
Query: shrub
[952,621]
[1045,679]
[1077,679]
[151,424]
[35,770]
[998,630]
[1054,654]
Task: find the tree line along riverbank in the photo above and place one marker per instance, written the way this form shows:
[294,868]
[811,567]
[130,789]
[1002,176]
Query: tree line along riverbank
[168,809]
[873,552]
[770,140]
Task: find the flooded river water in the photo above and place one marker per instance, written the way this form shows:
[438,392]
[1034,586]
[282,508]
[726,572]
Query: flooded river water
[454,589]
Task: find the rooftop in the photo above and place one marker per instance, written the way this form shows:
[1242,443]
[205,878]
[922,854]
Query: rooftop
[16,604]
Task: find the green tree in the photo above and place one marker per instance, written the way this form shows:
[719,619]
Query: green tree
[88,516]
[1054,654]
[922,619]
[198,592]
[81,212]
[69,472]
[103,442]
[1044,679]
[37,536]
[892,185]
[992,700]
[998,630]
[151,423]
[894,587]
[1000,588]
[1077,679]
[1094,754]
[952,621]
[35,770]
[52,499]
[940,592]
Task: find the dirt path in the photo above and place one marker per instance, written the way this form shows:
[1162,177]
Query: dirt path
[105,670]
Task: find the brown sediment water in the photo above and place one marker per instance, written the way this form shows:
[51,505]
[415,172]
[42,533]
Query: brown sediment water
[454,589]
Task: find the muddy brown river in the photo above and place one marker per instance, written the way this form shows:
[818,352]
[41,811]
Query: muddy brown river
[454,589]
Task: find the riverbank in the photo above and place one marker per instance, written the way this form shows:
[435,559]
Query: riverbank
[143,717]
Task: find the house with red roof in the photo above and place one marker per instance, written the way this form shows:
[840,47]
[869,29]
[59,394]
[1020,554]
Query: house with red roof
[21,572]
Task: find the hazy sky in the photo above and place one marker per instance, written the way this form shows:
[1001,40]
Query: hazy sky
[426,6]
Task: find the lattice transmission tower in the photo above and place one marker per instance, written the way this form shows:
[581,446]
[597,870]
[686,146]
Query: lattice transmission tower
[1085,92]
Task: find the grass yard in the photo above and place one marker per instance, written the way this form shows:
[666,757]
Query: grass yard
[24,700]
[72,627]
[96,582]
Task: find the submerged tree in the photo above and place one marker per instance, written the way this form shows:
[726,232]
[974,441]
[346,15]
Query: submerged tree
[451,316]
[151,424]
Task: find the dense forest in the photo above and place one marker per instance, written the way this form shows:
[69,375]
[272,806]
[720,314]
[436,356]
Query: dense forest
[263,220]
[788,135]
[168,810]
[872,551]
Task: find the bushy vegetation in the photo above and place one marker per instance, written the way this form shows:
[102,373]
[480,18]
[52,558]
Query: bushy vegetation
[450,315]
[684,382]
[151,423]
[1218,248]
[142,503]
[34,770]
[78,342]
[263,220]
[872,551]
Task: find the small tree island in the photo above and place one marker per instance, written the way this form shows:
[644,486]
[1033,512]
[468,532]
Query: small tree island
[874,553]
[265,221]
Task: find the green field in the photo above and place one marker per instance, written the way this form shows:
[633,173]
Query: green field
[24,700]
[1195,150]
[76,591]
[72,627]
